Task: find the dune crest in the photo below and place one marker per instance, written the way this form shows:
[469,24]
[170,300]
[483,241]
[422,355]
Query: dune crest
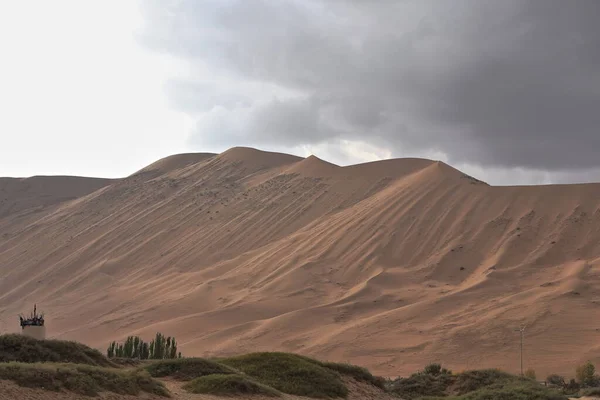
[391,264]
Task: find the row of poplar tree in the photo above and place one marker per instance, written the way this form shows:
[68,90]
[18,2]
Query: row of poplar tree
[159,348]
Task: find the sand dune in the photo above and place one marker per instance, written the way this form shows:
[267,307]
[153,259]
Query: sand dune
[30,194]
[391,264]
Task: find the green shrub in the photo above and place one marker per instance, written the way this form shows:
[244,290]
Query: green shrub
[572,386]
[290,374]
[518,391]
[421,384]
[556,380]
[593,392]
[470,381]
[471,385]
[83,379]
[186,369]
[585,374]
[229,385]
[433,369]
[26,349]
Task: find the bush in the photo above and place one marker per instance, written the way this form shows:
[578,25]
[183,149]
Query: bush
[474,380]
[516,391]
[185,369]
[433,369]
[556,380]
[488,384]
[593,392]
[290,374]
[26,349]
[228,385]
[82,379]
[572,386]
[585,374]
[420,384]
[530,374]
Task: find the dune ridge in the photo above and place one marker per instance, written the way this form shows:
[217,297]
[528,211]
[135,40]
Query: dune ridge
[391,264]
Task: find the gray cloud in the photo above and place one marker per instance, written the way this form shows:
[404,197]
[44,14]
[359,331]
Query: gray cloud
[496,84]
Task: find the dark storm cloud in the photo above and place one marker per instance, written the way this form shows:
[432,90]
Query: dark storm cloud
[511,83]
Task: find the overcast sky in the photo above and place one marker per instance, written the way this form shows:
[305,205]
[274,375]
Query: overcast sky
[508,91]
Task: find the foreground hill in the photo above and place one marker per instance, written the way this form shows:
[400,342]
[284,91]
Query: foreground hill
[49,369]
[390,265]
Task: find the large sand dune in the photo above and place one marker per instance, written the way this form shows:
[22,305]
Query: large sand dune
[390,265]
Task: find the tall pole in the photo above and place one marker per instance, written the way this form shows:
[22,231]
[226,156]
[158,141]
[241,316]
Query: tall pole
[522,330]
[521,352]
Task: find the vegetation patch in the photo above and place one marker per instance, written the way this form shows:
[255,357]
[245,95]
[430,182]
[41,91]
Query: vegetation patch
[82,379]
[25,349]
[490,384]
[421,385]
[358,373]
[592,392]
[513,391]
[290,373]
[134,347]
[229,385]
[185,369]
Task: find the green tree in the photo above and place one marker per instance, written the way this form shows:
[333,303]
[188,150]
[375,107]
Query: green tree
[585,374]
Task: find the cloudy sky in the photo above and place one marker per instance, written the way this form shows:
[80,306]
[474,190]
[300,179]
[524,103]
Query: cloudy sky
[508,91]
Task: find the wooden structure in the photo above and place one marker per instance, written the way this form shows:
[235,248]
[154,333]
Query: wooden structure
[34,325]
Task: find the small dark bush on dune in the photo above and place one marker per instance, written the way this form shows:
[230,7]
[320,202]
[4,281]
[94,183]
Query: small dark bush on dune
[82,379]
[229,385]
[186,369]
[290,374]
[29,350]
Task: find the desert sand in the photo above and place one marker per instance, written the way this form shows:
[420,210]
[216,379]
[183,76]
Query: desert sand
[390,265]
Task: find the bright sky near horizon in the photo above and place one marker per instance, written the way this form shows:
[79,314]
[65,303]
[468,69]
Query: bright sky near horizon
[78,95]
[505,91]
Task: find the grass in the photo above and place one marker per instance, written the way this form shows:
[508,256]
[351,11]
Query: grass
[229,385]
[185,369]
[290,374]
[83,379]
[421,385]
[29,350]
[470,381]
[593,392]
[472,385]
[358,373]
[519,391]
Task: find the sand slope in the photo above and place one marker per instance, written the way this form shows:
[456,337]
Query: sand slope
[390,265]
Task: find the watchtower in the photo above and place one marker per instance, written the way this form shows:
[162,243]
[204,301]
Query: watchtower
[33,326]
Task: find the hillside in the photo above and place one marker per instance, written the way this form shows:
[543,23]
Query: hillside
[37,192]
[390,265]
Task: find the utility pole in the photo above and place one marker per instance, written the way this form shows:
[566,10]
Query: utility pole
[522,330]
